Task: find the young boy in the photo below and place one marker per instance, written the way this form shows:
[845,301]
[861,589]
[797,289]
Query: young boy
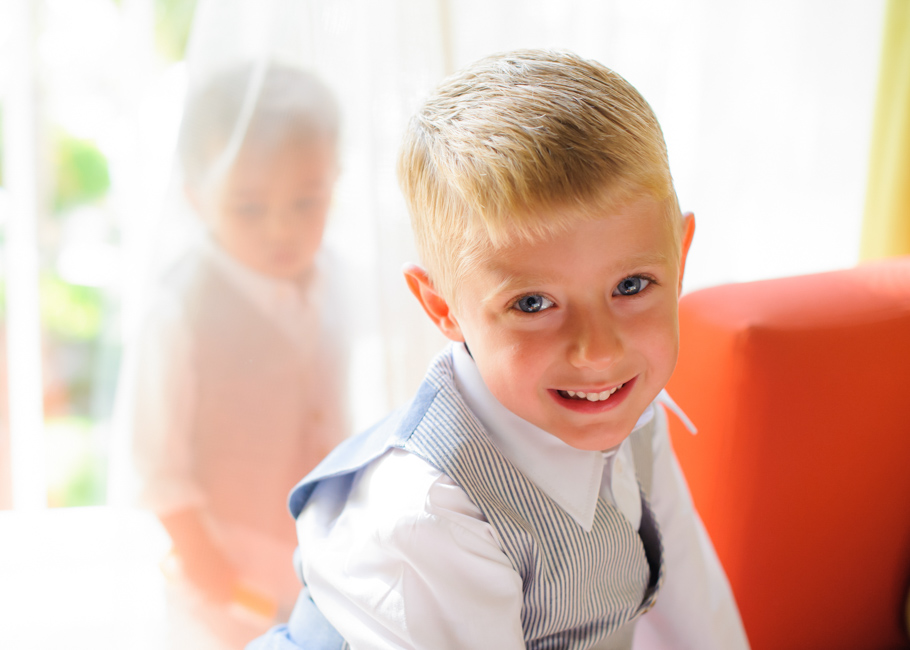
[528,496]
[239,381]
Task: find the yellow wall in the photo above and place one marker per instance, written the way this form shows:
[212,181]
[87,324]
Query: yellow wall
[886,223]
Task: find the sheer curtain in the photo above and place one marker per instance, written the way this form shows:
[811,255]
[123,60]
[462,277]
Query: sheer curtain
[766,108]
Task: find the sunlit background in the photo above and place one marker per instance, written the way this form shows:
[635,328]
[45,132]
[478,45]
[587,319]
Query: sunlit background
[767,109]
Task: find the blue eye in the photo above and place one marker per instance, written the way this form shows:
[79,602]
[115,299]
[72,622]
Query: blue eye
[533,304]
[631,285]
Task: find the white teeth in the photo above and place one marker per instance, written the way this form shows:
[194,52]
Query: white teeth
[591,397]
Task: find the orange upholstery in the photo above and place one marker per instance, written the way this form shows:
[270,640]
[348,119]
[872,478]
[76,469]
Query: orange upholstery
[800,389]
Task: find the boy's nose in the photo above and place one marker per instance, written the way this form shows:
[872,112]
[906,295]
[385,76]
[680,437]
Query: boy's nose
[279,227]
[596,344]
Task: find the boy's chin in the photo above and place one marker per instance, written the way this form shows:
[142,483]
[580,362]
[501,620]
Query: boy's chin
[285,271]
[596,440]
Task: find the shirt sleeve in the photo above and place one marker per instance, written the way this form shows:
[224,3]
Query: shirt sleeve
[161,413]
[399,557]
[695,608]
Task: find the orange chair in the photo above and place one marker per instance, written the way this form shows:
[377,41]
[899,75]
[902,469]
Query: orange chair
[800,389]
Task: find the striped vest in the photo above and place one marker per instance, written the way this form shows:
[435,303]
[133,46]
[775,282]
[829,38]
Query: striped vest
[581,589]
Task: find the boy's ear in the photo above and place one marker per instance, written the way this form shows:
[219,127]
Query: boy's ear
[433,304]
[688,234]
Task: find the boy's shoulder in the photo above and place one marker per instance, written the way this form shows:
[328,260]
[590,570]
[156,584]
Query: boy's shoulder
[391,432]
[166,305]
[185,273]
[204,284]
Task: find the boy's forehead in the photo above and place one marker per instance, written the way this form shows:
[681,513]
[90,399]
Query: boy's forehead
[282,152]
[644,217]
[287,157]
[637,236]
[521,262]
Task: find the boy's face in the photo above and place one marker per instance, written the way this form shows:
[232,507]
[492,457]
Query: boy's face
[592,310]
[269,211]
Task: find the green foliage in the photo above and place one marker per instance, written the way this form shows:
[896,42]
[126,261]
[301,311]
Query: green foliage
[70,311]
[76,471]
[173,21]
[82,172]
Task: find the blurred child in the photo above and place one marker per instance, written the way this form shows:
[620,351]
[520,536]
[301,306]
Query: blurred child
[239,383]
[528,497]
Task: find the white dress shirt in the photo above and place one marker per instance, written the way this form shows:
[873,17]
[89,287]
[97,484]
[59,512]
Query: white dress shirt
[399,557]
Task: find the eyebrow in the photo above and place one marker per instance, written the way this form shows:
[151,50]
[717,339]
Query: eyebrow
[512,283]
[648,259]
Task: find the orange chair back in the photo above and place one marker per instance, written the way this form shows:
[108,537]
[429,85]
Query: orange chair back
[800,389]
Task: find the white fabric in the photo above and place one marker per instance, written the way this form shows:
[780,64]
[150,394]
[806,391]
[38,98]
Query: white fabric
[416,530]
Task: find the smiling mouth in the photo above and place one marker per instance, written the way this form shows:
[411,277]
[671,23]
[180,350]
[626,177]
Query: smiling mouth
[591,397]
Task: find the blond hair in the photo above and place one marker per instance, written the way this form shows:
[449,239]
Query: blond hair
[520,144]
[291,105]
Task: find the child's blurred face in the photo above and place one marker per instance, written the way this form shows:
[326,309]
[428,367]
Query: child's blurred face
[269,211]
[578,334]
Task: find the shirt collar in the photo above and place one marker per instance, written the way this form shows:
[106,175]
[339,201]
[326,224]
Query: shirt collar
[571,477]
